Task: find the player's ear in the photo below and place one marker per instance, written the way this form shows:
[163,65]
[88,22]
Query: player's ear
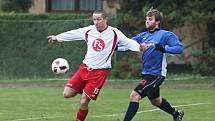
[158,23]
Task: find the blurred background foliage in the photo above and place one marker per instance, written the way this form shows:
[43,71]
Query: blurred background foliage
[16,5]
[176,14]
[24,51]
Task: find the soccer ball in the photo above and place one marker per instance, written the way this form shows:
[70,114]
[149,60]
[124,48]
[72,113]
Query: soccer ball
[60,66]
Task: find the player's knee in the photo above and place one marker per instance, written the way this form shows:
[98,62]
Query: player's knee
[68,93]
[156,102]
[135,97]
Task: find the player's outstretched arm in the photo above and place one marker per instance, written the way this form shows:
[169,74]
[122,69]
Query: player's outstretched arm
[52,39]
[126,43]
[144,46]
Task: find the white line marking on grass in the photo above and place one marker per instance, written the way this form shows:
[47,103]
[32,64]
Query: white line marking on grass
[110,115]
[191,105]
[151,110]
[36,118]
[187,105]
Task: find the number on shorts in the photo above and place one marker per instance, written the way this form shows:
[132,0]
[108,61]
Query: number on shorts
[96,91]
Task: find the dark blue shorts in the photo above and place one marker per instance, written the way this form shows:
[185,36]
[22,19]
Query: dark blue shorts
[149,86]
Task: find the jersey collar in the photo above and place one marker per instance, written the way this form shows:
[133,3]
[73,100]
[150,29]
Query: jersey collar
[103,29]
[154,30]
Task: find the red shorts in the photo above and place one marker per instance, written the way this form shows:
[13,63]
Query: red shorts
[89,81]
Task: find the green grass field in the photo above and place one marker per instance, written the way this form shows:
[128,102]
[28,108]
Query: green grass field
[25,101]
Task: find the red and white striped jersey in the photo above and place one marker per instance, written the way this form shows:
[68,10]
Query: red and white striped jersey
[100,44]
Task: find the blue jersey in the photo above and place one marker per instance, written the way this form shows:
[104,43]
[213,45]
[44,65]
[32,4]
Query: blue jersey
[154,61]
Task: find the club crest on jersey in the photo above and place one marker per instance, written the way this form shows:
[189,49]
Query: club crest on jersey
[98,45]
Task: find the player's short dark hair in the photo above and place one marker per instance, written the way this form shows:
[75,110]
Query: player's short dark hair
[154,12]
[104,13]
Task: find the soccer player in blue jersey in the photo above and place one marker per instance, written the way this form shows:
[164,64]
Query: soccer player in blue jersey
[156,43]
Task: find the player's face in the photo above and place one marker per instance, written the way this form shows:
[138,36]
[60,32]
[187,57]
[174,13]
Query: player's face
[151,23]
[99,21]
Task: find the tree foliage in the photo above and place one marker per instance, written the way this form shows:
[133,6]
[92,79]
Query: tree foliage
[16,5]
[176,12]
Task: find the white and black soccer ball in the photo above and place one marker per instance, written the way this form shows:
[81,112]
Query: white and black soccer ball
[60,66]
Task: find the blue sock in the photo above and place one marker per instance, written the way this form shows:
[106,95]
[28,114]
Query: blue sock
[166,106]
[131,111]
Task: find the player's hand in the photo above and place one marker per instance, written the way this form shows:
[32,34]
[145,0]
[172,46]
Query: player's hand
[144,46]
[160,48]
[52,39]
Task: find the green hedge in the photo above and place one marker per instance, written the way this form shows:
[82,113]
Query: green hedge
[25,53]
[24,16]
[205,64]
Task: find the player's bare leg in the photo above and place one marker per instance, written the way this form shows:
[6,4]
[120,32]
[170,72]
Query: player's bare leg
[84,101]
[133,106]
[156,102]
[135,97]
[83,111]
[69,92]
